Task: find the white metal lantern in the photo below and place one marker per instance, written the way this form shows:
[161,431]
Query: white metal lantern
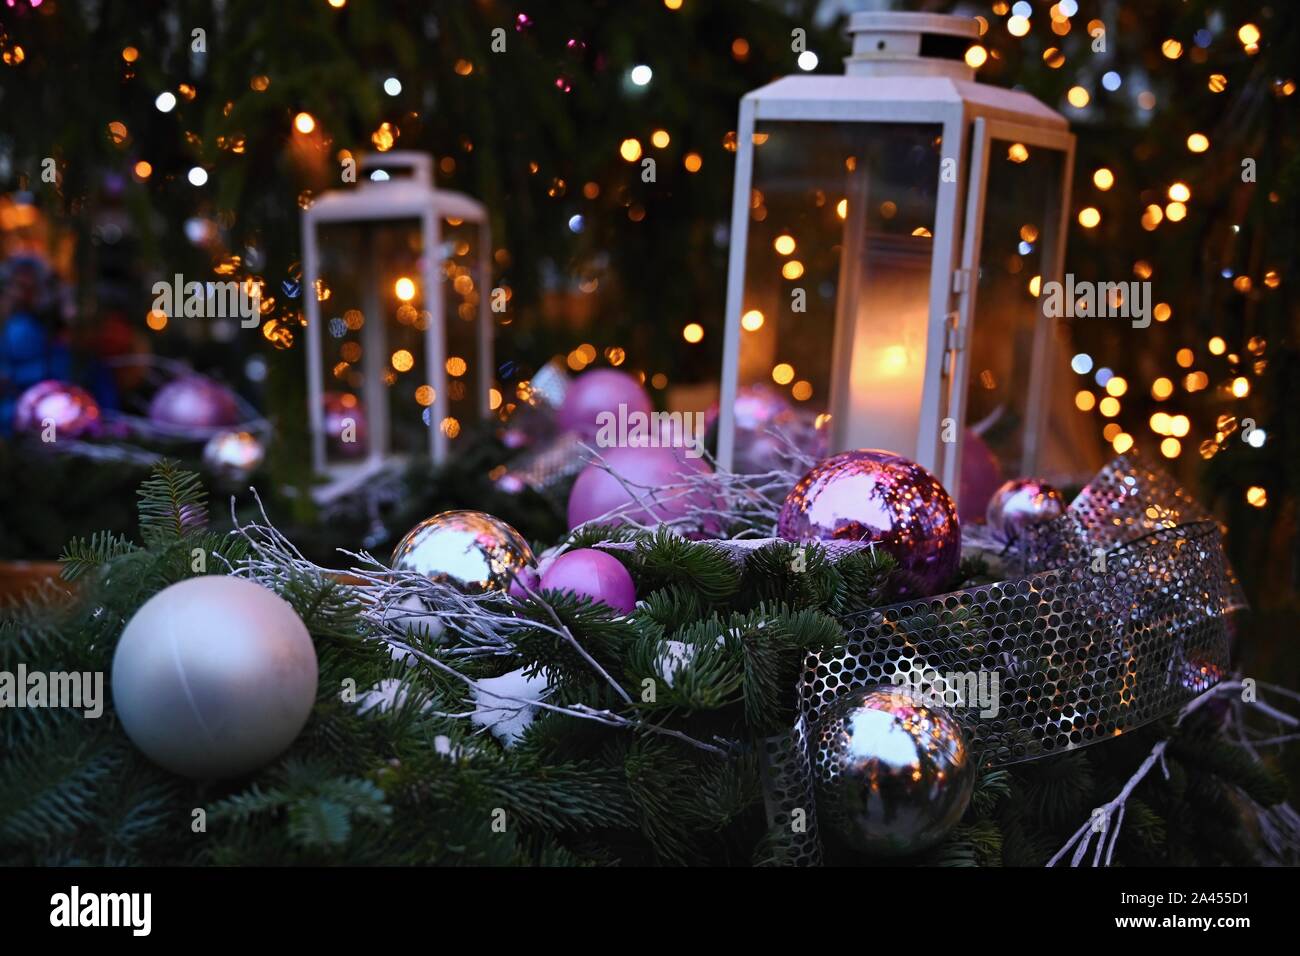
[891,230]
[399,350]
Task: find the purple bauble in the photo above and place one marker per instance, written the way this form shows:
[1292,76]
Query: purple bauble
[72,410]
[981,474]
[194,401]
[877,496]
[1020,503]
[340,409]
[525,577]
[594,574]
[771,432]
[649,471]
[601,390]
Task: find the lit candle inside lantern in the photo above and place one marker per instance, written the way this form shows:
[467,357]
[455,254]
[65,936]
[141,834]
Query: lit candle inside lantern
[886,373]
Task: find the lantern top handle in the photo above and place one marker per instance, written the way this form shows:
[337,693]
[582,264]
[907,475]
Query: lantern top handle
[420,165]
[910,44]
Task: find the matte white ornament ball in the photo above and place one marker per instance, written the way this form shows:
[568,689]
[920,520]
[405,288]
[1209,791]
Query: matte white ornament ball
[214,677]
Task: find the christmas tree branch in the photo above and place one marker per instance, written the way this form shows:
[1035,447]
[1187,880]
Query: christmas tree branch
[1108,819]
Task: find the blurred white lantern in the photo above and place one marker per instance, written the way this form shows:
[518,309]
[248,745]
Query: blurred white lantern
[891,229]
[399,349]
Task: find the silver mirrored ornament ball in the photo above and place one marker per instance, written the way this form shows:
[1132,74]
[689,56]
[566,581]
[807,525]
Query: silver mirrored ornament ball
[894,774]
[233,456]
[470,550]
[1020,503]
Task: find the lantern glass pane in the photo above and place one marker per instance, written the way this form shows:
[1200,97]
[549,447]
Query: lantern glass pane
[835,310]
[1017,255]
[373,339]
[462,251]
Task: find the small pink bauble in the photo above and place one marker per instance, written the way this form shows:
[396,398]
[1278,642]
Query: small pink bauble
[72,410]
[877,496]
[652,476]
[193,401]
[594,574]
[601,390]
[981,474]
[524,577]
[340,409]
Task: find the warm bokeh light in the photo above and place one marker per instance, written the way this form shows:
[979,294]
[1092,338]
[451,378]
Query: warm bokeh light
[404,289]
[1116,386]
[1179,192]
[1171,447]
[660,138]
[1162,388]
[304,123]
[802,391]
[1184,358]
[1078,97]
[692,162]
[792,270]
[1122,443]
[783,374]
[1240,386]
[1198,142]
[1217,345]
[1085,401]
[976,56]
[403,360]
[143,170]
[1109,406]
[693,333]
[784,244]
[1256,496]
[752,320]
[1089,217]
[1103,179]
[1175,212]
[630,149]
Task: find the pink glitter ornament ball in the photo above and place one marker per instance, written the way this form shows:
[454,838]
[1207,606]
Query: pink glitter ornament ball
[877,496]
